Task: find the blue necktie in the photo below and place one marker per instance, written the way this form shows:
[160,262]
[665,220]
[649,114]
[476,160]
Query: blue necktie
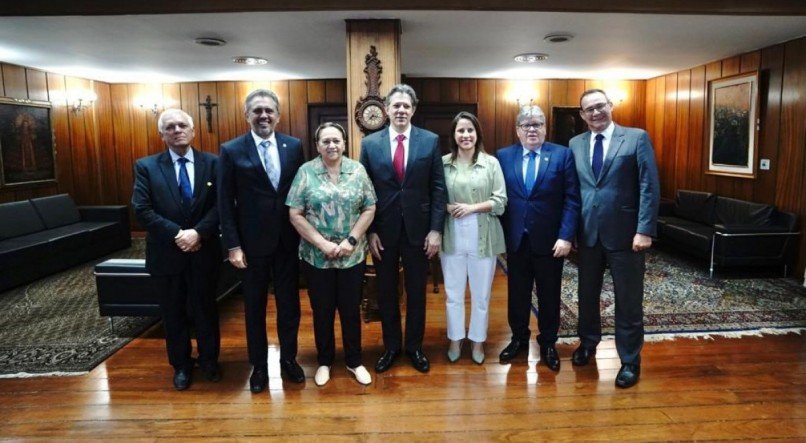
[529,180]
[184,182]
[598,156]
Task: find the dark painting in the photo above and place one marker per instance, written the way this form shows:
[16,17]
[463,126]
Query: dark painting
[565,124]
[26,142]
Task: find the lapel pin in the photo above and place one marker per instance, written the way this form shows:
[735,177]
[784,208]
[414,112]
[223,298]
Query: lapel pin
[284,145]
[209,184]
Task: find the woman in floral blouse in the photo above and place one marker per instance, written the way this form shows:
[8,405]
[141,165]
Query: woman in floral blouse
[332,203]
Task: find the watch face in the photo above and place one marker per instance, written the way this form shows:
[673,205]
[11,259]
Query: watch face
[372,116]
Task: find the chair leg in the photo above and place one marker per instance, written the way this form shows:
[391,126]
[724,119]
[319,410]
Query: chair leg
[112,325]
[713,245]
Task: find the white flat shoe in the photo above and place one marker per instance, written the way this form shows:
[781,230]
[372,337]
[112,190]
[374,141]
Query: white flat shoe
[322,376]
[361,375]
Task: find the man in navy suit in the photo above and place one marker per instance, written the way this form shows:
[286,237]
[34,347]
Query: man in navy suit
[256,171]
[540,223]
[174,199]
[620,198]
[405,165]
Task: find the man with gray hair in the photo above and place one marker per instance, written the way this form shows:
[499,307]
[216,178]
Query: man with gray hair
[540,223]
[256,171]
[174,200]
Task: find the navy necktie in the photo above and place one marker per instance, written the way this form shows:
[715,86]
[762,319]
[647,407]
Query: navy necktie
[184,182]
[598,156]
[529,180]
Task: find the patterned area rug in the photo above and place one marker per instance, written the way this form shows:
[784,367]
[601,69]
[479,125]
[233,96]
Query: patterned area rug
[680,298]
[52,326]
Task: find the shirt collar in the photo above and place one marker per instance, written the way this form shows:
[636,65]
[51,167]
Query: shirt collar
[346,167]
[258,139]
[175,156]
[393,134]
[608,132]
[526,152]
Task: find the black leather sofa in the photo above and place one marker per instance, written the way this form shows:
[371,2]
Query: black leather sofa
[44,235]
[727,231]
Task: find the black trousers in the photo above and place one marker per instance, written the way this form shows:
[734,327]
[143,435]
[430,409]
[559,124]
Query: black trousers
[627,269]
[191,291]
[283,269]
[332,290]
[525,270]
[415,268]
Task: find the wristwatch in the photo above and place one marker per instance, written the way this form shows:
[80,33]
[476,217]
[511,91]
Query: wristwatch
[351,240]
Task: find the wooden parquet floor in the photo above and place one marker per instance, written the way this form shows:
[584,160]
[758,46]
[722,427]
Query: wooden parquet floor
[734,389]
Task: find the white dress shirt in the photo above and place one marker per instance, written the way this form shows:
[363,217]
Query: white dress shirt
[393,144]
[525,154]
[608,135]
[274,153]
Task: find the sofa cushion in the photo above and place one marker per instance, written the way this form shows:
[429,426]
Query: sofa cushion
[19,218]
[694,237]
[695,206]
[730,211]
[56,210]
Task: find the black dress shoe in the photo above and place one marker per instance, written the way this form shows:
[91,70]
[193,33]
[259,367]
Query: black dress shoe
[182,378]
[513,349]
[211,371]
[259,379]
[549,356]
[386,360]
[419,360]
[628,375]
[582,356]
[292,370]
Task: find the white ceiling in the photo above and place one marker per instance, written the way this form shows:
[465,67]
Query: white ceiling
[160,48]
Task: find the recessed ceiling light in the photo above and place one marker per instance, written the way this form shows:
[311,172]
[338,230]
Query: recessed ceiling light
[531,57]
[210,41]
[558,37]
[248,60]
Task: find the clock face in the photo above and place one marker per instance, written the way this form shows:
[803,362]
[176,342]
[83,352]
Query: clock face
[372,117]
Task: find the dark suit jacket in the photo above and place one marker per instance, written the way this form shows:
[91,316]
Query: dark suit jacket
[625,199]
[253,213]
[158,208]
[551,210]
[421,198]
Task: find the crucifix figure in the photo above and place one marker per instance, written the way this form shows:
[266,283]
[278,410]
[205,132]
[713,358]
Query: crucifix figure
[208,106]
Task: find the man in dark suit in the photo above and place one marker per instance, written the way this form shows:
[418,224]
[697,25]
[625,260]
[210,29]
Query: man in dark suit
[174,199]
[256,171]
[405,165]
[620,198]
[540,223]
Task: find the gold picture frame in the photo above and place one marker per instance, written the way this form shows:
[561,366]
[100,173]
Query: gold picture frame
[733,125]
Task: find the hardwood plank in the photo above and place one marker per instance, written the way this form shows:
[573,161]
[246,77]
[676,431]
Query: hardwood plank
[121,111]
[84,158]
[105,135]
[486,108]
[430,91]
[468,91]
[14,81]
[681,145]
[208,141]
[697,110]
[316,91]
[731,66]
[297,113]
[770,89]
[37,84]
[281,88]
[57,94]
[449,90]
[668,153]
[336,91]
[712,71]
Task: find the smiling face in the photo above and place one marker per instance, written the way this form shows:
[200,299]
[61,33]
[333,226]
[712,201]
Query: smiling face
[177,132]
[465,136]
[597,111]
[400,110]
[262,115]
[532,131]
[330,145]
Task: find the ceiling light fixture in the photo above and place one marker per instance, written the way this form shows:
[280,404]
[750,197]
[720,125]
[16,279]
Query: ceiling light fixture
[210,41]
[558,37]
[248,60]
[531,57]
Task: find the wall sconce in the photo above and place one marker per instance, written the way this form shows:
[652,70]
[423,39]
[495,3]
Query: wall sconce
[522,93]
[82,100]
[152,103]
[154,108]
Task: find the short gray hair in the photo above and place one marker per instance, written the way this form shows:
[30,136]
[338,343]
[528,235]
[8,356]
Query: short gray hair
[529,111]
[401,88]
[169,113]
[261,93]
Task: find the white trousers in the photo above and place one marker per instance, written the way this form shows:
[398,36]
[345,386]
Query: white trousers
[462,265]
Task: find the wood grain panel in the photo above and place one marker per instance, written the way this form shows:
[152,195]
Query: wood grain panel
[468,91]
[208,141]
[449,90]
[681,140]
[84,158]
[336,91]
[575,90]
[298,114]
[316,91]
[138,128]
[486,110]
[750,61]
[37,84]
[712,71]
[281,89]
[105,141]
[229,114]
[770,88]
[122,109]
[730,66]
[2,85]
[14,81]
[430,92]
[659,134]
[696,124]
[669,153]
[61,132]
[650,115]
[505,113]
[242,90]
[788,193]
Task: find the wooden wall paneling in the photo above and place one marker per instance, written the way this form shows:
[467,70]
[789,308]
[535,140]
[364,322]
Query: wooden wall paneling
[105,141]
[316,91]
[122,109]
[669,153]
[681,140]
[335,91]
[541,88]
[415,83]
[486,109]
[298,113]
[242,90]
[208,141]
[743,188]
[639,95]
[14,81]
[154,142]
[712,71]
[771,71]
[82,140]
[172,96]
[449,90]
[37,84]
[139,128]
[57,95]
[189,102]
[659,137]
[430,92]
[505,113]
[2,86]
[575,90]
[558,93]
[697,100]
[468,91]
[750,62]
[228,126]
[281,89]
[731,66]
[650,113]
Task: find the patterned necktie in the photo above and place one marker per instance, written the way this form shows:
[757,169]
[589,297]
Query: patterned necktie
[598,156]
[184,182]
[529,180]
[274,176]
[398,162]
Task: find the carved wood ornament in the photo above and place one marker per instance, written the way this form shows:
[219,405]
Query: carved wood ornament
[370,113]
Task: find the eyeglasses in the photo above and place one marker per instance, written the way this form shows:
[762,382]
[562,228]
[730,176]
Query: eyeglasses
[600,107]
[528,126]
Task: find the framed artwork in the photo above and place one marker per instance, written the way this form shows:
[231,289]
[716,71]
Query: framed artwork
[565,124]
[27,147]
[733,125]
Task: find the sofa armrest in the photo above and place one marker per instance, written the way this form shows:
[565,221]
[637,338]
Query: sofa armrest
[105,214]
[751,230]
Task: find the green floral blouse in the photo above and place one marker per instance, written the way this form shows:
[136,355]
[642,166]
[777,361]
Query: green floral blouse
[332,209]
